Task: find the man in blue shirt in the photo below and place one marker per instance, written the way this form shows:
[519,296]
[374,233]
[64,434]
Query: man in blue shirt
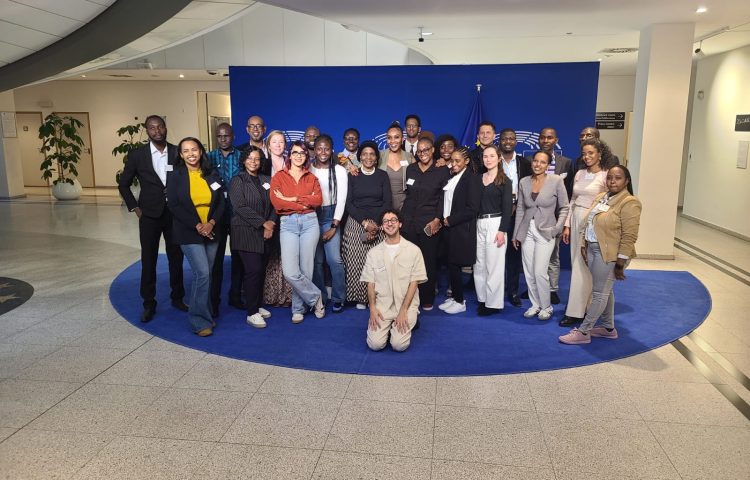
[226,160]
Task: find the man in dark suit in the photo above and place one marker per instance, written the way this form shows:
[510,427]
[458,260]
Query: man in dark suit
[150,165]
[515,167]
[486,137]
[413,127]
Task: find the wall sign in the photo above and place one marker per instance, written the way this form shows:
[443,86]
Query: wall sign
[742,124]
[610,120]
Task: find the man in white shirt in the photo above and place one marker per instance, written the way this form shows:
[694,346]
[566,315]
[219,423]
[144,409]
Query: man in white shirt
[392,271]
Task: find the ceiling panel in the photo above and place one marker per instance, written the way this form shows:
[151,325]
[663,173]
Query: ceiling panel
[10,53]
[81,10]
[36,19]
[24,37]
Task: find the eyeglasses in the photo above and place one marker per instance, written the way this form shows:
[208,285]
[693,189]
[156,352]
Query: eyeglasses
[296,153]
[390,221]
[255,126]
[351,139]
[424,151]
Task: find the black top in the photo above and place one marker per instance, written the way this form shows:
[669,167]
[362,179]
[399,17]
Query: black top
[368,196]
[477,159]
[424,193]
[498,199]
[252,208]
[184,214]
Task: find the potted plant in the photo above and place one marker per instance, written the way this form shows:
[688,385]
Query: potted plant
[133,139]
[61,147]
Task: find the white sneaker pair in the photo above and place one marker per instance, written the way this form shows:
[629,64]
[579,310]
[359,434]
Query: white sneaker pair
[256,320]
[452,307]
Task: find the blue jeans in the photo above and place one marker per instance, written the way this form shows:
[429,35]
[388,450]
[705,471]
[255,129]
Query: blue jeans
[329,252]
[299,234]
[201,257]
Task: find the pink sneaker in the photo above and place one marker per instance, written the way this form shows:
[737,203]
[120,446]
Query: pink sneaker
[603,333]
[575,337]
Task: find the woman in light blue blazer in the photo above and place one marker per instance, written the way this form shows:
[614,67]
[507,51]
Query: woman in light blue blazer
[540,216]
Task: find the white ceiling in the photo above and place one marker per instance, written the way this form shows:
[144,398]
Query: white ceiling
[27,26]
[522,31]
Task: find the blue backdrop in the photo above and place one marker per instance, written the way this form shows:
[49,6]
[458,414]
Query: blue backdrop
[526,97]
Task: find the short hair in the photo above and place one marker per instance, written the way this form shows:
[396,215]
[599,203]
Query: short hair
[250,149]
[324,137]
[301,144]
[273,134]
[368,144]
[594,130]
[487,123]
[441,139]
[205,164]
[391,211]
[627,175]
[426,140]
[225,125]
[352,129]
[549,156]
[415,117]
[157,117]
[548,128]
[507,130]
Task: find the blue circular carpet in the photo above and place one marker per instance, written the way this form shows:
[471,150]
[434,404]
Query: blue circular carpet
[652,309]
[13,293]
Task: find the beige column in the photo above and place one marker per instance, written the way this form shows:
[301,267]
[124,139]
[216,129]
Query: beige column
[11,169]
[662,87]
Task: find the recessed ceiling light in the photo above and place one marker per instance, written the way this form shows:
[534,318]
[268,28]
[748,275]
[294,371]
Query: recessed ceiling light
[426,33]
[83,76]
[701,10]
[598,59]
[182,76]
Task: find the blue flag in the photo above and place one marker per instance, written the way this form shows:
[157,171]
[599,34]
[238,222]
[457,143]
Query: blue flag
[469,138]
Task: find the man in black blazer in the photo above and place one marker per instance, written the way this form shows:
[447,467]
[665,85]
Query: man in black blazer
[486,137]
[515,167]
[150,165]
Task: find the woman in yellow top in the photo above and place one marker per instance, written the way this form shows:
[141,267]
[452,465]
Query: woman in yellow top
[195,196]
[608,239]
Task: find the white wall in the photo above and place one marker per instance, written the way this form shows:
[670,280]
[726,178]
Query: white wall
[715,190]
[616,95]
[11,168]
[112,104]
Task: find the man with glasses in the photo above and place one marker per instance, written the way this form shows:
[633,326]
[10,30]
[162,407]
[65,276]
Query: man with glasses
[413,125]
[256,128]
[392,271]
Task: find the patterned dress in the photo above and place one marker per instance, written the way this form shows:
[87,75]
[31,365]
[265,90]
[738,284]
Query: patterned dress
[354,252]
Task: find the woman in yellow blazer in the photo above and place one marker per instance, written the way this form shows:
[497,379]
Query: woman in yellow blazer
[608,243]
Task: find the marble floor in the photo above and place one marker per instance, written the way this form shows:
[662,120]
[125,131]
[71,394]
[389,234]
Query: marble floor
[85,395]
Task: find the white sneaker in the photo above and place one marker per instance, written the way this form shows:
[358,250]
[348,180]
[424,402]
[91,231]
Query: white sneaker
[532,312]
[320,309]
[545,314]
[361,306]
[446,304]
[264,313]
[456,308]
[256,320]
[297,318]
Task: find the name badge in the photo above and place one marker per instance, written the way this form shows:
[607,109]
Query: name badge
[169,168]
[588,176]
[404,163]
[410,181]
[602,207]
[215,186]
[379,269]
[266,186]
[563,175]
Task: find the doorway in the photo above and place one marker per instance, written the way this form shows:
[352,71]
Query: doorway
[86,174]
[27,126]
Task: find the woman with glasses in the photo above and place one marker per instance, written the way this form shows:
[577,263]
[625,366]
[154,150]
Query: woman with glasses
[369,196]
[422,213]
[393,161]
[295,193]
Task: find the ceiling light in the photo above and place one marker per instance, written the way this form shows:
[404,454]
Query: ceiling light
[426,33]
[598,59]
[83,76]
[182,76]
[701,10]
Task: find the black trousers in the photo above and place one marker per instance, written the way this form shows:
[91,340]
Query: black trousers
[151,230]
[217,271]
[457,284]
[513,263]
[254,277]
[429,247]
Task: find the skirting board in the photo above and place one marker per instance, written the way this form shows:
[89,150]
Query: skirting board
[653,256]
[13,197]
[721,229]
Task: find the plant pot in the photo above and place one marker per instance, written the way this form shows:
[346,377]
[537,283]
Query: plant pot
[66,191]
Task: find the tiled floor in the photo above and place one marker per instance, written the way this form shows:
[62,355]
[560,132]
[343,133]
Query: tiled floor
[85,395]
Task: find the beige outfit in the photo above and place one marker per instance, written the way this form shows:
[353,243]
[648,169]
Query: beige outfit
[392,278]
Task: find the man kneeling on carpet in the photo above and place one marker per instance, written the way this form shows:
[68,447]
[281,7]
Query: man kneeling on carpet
[392,271]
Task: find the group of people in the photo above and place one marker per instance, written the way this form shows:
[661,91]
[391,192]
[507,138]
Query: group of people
[318,230]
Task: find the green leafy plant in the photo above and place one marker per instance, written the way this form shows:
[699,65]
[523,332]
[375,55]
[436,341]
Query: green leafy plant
[61,146]
[133,139]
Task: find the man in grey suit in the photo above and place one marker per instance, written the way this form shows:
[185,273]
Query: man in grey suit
[560,165]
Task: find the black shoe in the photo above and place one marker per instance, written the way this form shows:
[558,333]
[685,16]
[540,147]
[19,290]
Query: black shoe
[238,304]
[569,321]
[525,294]
[554,298]
[148,314]
[179,305]
[482,311]
[515,301]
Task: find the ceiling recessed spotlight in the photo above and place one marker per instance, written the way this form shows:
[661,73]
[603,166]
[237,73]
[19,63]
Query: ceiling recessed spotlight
[426,34]
[701,10]
[598,59]
[83,76]
[182,76]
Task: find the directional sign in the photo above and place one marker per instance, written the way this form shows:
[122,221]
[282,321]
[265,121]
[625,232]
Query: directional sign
[610,120]
[742,123]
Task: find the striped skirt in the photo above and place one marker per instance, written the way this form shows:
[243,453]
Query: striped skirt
[353,253]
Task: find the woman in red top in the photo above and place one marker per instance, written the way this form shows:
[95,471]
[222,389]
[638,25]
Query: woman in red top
[295,193]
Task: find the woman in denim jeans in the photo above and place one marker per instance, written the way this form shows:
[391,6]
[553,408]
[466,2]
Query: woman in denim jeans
[295,194]
[333,183]
[195,196]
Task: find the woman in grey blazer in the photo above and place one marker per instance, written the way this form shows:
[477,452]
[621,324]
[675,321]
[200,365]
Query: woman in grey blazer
[253,221]
[540,216]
